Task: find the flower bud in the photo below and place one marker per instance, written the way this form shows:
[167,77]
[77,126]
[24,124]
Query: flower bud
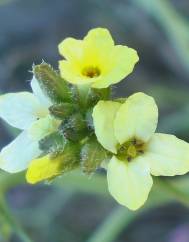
[62,110]
[52,143]
[92,155]
[74,128]
[51,83]
[87,97]
[52,165]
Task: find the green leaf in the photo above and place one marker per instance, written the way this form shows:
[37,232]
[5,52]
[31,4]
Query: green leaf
[51,83]
[92,155]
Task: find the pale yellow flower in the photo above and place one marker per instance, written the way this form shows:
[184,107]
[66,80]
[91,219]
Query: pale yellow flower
[128,131]
[95,60]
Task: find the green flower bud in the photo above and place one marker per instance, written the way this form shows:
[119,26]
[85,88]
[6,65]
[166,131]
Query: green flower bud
[98,94]
[86,97]
[92,155]
[62,110]
[52,165]
[74,128]
[52,143]
[51,83]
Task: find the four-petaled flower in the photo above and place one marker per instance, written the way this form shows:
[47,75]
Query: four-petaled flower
[29,113]
[95,60]
[128,131]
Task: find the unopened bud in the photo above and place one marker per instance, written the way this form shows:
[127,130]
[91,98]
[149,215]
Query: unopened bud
[51,83]
[62,110]
[92,155]
[74,128]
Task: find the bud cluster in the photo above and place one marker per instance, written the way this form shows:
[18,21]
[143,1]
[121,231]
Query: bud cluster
[74,141]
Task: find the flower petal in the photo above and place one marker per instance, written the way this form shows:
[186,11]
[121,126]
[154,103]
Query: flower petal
[71,49]
[129,182]
[72,73]
[103,116]
[39,93]
[121,62]
[98,45]
[20,109]
[136,118]
[167,155]
[43,127]
[43,168]
[16,156]
[99,37]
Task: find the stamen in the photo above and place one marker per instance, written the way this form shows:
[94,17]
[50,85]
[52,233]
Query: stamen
[131,149]
[91,71]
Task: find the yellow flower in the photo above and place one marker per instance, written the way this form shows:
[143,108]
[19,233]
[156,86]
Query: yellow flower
[95,60]
[128,131]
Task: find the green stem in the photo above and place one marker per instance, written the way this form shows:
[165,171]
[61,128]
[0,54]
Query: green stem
[97,185]
[163,191]
[11,221]
[113,225]
[83,92]
[121,217]
[173,191]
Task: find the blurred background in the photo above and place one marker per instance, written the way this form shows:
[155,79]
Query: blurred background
[71,212]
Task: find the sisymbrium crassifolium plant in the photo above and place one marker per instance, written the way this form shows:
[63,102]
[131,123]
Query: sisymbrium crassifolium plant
[71,121]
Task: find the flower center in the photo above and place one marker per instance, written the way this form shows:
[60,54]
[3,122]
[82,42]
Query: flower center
[130,150]
[91,71]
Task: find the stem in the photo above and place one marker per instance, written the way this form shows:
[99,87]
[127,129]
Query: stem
[164,191]
[97,185]
[113,225]
[173,191]
[83,92]
[11,221]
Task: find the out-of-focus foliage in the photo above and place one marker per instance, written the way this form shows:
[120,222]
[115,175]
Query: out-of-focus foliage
[159,30]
